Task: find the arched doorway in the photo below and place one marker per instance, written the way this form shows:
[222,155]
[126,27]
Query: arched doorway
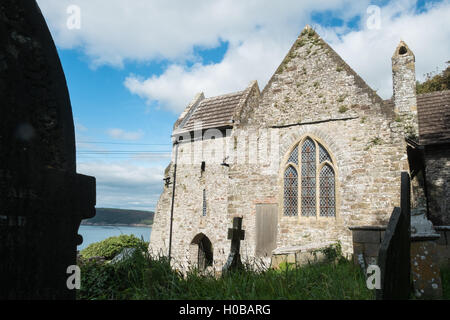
[204,251]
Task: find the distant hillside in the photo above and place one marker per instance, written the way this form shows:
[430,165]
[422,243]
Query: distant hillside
[108,216]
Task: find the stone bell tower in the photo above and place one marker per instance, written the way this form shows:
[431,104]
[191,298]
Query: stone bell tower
[404,80]
[404,89]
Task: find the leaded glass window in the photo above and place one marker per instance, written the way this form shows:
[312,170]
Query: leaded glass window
[290,191]
[204,202]
[293,158]
[308,178]
[323,154]
[310,169]
[327,194]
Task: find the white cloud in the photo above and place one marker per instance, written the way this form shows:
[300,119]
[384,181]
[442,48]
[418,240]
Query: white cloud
[258,54]
[178,84]
[125,184]
[121,134]
[142,30]
[369,52]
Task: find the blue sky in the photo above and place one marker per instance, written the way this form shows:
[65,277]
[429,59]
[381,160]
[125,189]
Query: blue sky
[133,66]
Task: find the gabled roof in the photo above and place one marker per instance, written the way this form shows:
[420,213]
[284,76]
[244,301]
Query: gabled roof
[433,111]
[214,112]
[308,32]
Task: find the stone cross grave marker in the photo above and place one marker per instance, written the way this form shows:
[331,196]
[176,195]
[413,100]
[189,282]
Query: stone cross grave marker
[235,234]
[394,255]
[42,198]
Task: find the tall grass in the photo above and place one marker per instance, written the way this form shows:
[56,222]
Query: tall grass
[146,277]
[445,278]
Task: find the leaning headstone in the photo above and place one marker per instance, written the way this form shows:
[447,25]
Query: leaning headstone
[42,198]
[394,254]
[426,274]
[236,234]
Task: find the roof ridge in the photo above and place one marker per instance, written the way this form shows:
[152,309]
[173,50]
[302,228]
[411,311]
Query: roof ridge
[224,95]
[440,92]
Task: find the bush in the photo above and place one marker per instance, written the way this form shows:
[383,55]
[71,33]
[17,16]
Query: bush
[435,82]
[112,246]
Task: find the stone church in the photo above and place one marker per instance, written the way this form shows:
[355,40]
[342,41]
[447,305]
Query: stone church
[313,154]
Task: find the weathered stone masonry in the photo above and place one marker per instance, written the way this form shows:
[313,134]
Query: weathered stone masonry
[313,94]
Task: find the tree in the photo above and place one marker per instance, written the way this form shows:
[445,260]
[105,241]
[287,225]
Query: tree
[435,82]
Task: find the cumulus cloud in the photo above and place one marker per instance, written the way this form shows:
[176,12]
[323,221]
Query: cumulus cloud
[366,50]
[143,30]
[258,32]
[125,184]
[369,51]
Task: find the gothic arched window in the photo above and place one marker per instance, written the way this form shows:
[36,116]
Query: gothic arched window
[310,173]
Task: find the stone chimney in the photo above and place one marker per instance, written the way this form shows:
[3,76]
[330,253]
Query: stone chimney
[404,80]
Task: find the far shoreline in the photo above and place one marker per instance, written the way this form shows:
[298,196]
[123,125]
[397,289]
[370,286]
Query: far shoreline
[116,225]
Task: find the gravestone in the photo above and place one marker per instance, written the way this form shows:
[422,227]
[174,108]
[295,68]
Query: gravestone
[236,234]
[266,229]
[425,269]
[394,255]
[42,198]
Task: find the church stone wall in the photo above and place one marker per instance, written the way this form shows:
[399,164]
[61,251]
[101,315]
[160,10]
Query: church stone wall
[313,85]
[313,92]
[188,219]
[438,177]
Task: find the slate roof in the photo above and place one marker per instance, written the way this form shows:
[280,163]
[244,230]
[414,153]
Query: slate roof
[214,112]
[433,110]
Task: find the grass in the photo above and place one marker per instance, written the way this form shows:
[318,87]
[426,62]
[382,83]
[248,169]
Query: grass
[147,277]
[445,278]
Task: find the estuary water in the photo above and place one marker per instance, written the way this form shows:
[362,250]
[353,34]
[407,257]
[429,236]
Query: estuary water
[93,234]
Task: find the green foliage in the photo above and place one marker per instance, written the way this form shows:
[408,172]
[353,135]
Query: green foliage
[343,109]
[333,252]
[376,141]
[146,277]
[342,98]
[445,278]
[112,246]
[435,82]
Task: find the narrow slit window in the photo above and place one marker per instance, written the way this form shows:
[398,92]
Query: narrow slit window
[204,202]
[290,191]
[309,178]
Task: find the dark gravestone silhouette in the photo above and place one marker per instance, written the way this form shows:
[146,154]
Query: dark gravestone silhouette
[394,258]
[42,199]
[236,234]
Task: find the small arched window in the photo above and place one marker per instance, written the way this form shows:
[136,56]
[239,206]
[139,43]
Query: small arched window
[315,183]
